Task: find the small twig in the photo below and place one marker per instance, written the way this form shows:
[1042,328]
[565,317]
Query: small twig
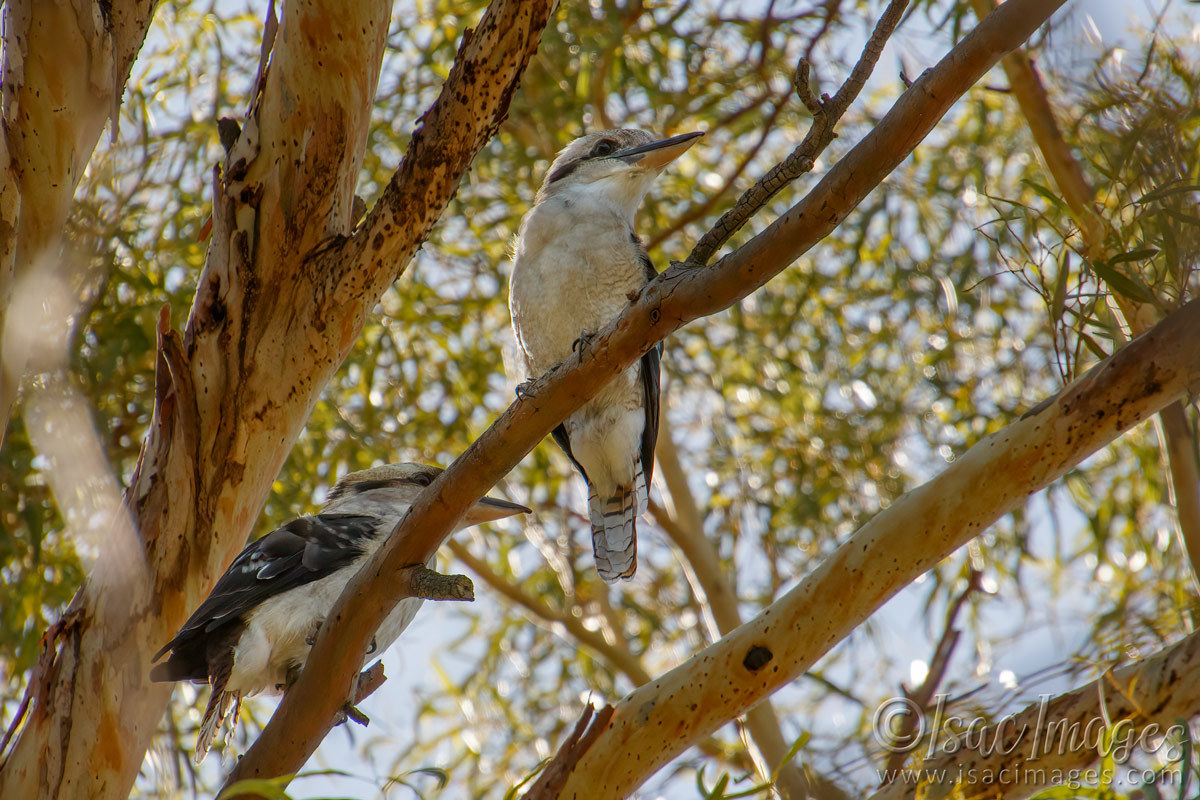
[800,83]
[923,694]
[550,783]
[818,138]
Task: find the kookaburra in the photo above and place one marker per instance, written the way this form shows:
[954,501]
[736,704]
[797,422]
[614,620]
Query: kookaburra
[254,631]
[577,261]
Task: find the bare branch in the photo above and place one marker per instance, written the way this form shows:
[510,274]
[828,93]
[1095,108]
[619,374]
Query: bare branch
[1141,699]
[549,784]
[820,134]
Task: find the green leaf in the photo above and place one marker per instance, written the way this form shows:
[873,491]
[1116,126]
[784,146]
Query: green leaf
[1167,191]
[1122,284]
[1133,255]
[1045,193]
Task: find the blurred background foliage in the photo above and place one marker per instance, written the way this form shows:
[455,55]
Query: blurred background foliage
[951,302]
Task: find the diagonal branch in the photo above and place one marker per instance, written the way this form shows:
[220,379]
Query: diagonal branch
[676,297]
[827,112]
[657,722]
[1135,703]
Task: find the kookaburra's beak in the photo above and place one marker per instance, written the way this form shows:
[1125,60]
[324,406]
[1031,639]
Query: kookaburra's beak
[657,155]
[491,508]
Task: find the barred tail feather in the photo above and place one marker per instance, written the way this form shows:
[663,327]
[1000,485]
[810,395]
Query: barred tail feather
[641,494]
[614,535]
[219,706]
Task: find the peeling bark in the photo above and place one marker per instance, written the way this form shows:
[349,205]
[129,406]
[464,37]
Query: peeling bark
[282,298]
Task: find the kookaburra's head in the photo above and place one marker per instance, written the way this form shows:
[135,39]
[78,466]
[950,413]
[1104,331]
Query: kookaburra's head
[397,485]
[616,166]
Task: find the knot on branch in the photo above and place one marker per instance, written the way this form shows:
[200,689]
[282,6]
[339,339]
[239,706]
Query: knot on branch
[428,584]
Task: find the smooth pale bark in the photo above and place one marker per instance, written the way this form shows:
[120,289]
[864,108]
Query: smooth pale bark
[280,302]
[65,67]
[678,296]
[1025,754]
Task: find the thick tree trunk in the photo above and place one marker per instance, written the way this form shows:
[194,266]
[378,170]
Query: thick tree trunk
[65,67]
[282,299]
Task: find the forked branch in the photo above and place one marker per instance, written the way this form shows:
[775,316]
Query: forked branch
[827,112]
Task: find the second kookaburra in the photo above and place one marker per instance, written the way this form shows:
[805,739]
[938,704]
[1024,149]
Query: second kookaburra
[253,632]
[576,263]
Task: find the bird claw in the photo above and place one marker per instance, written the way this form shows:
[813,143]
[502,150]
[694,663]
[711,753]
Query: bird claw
[584,341]
[525,389]
[349,711]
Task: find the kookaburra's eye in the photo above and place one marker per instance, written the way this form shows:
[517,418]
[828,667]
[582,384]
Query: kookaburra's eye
[604,147]
[421,479]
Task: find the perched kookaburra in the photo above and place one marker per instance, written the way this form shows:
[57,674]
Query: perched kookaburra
[254,631]
[576,262]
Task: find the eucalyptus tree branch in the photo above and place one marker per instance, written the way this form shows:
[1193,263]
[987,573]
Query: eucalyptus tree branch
[656,722]
[1177,439]
[827,112]
[679,295]
[1136,703]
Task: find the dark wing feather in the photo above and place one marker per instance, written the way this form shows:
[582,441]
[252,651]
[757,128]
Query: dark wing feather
[651,376]
[301,551]
[651,368]
[560,438]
